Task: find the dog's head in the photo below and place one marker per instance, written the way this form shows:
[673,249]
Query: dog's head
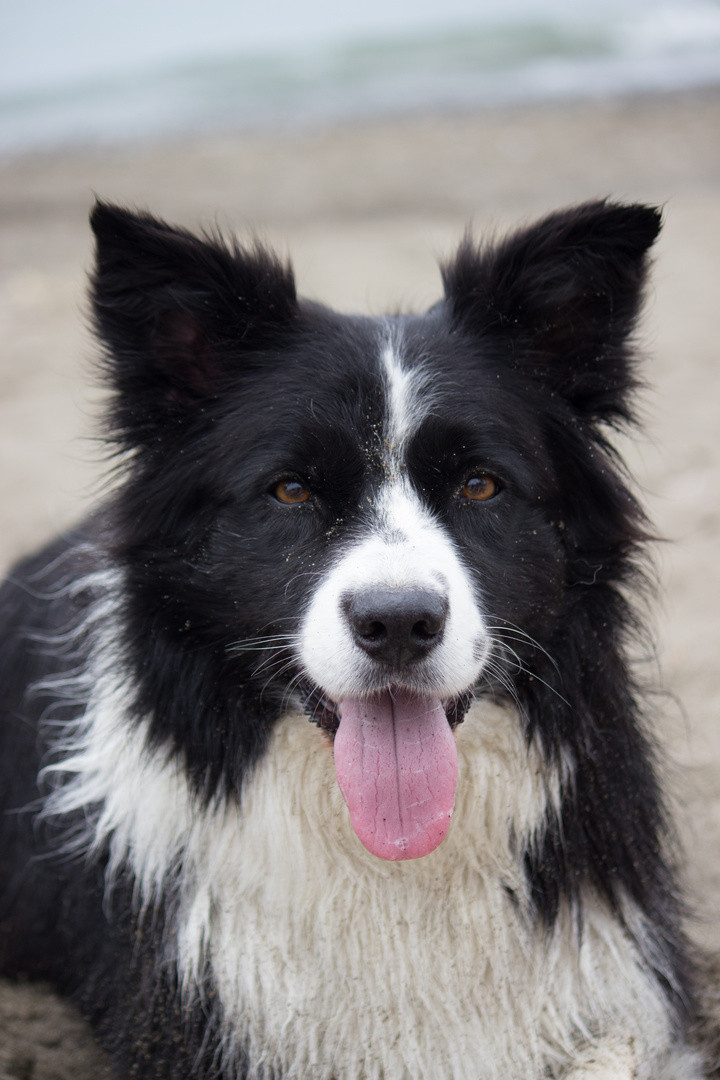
[384,515]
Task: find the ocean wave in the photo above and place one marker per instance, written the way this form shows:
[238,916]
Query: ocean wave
[535,54]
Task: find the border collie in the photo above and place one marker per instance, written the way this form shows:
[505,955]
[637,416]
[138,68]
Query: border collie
[322,757]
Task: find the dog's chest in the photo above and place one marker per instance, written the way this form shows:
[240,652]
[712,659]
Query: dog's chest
[330,962]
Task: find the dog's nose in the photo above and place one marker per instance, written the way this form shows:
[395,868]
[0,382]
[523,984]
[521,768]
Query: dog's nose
[397,626]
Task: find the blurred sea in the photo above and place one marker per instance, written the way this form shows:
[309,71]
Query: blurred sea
[104,71]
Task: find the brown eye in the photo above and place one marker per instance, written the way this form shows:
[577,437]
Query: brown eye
[291,492]
[479,488]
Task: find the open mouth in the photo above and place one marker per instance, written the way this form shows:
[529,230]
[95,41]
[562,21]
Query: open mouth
[325,713]
[396,765]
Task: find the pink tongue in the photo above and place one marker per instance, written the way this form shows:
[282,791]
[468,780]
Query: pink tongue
[396,765]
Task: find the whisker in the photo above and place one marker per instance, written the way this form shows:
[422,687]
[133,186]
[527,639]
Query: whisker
[280,664]
[510,630]
[502,678]
[290,689]
[528,671]
[258,644]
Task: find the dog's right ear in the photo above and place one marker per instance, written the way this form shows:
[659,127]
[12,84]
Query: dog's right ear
[178,314]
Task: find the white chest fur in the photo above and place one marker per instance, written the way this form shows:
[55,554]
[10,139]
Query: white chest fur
[333,964]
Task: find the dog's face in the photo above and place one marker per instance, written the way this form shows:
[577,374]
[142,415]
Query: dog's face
[409,611]
[384,515]
[364,508]
[392,522]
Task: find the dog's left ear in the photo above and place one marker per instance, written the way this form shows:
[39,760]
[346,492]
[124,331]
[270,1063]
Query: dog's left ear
[566,294]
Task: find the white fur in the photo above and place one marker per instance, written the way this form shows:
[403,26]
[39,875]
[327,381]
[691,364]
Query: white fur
[404,547]
[333,964]
[407,549]
[408,395]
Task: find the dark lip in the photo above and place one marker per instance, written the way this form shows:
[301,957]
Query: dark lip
[321,710]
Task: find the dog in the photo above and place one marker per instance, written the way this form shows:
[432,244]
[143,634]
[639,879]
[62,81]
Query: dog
[322,752]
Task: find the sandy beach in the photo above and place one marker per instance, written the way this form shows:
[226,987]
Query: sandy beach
[365,211]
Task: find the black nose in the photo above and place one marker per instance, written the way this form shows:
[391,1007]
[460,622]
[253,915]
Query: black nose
[397,626]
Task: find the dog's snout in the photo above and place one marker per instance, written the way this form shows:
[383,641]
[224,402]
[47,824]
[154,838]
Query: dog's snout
[397,626]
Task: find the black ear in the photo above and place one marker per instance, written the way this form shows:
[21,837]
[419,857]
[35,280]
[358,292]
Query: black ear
[177,312]
[565,293]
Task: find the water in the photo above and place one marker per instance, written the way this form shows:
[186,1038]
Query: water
[103,71]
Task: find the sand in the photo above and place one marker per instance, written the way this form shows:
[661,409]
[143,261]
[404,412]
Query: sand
[365,211]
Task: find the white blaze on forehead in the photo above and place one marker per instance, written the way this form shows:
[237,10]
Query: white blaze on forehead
[407,401]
